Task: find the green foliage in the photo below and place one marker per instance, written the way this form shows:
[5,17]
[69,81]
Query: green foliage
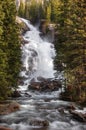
[9,48]
[31,10]
[21,9]
[35,11]
[54,10]
[70,44]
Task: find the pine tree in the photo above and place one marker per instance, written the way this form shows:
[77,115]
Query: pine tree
[21,10]
[3,57]
[71,44]
[54,10]
[9,49]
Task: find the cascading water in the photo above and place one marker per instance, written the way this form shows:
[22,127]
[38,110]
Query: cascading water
[37,56]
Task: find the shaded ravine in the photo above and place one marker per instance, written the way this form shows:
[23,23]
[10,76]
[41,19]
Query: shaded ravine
[37,59]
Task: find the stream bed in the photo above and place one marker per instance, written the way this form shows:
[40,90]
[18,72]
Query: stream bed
[42,107]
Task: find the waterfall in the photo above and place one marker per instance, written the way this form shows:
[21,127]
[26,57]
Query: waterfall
[37,55]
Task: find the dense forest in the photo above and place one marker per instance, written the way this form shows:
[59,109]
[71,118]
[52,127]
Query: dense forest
[69,17]
[10,52]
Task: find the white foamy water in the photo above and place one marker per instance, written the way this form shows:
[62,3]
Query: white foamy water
[37,55]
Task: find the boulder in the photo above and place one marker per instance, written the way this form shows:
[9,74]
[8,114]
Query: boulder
[4,128]
[25,41]
[27,94]
[45,85]
[78,116]
[13,106]
[41,79]
[34,86]
[71,107]
[21,82]
[42,123]
[16,94]
[61,110]
[9,108]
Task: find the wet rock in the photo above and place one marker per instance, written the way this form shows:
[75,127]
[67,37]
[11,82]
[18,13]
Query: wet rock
[41,79]
[13,106]
[23,68]
[32,81]
[27,94]
[4,128]
[25,41]
[9,108]
[34,54]
[43,26]
[78,116]
[47,100]
[42,123]
[35,86]
[41,34]
[71,107]
[21,82]
[23,78]
[45,85]
[16,94]
[24,28]
[65,97]
[61,110]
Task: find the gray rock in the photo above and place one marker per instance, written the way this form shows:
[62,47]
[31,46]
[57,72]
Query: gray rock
[45,85]
[78,116]
[42,123]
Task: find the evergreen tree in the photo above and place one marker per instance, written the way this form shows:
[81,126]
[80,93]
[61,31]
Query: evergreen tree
[54,10]
[71,45]
[3,56]
[33,11]
[9,48]
[48,12]
[21,9]
[26,11]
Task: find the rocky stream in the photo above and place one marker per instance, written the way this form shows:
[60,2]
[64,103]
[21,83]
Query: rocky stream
[41,108]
